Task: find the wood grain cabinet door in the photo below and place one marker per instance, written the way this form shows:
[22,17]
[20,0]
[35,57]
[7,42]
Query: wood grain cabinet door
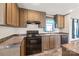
[60,21]
[12,14]
[42,19]
[23,16]
[45,42]
[57,41]
[52,42]
[15,18]
[2,13]
[33,15]
[22,48]
[9,14]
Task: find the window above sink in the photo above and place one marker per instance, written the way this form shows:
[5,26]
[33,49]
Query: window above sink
[49,25]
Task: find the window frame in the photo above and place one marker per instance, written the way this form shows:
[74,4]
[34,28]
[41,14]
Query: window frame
[54,24]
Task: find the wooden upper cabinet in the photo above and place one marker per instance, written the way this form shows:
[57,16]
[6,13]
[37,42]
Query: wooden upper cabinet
[2,13]
[23,16]
[42,19]
[12,14]
[15,18]
[37,16]
[33,15]
[60,21]
[9,14]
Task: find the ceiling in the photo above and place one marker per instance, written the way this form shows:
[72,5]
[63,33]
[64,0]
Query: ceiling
[51,8]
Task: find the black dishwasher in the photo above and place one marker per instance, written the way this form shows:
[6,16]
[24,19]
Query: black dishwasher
[64,39]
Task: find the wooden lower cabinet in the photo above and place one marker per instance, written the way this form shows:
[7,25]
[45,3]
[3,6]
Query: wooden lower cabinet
[45,42]
[22,48]
[57,41]
[50,42]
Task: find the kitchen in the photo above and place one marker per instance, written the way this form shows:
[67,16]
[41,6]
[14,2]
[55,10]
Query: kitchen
[49,25]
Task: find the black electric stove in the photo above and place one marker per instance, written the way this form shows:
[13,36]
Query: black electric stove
[33,42]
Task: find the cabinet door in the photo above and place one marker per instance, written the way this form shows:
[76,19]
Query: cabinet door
[15,18]
[60,21]
[23,17]
[57,40]
[42,19]
[52,42]
[12,14]
[33,15]
[9,14]
[2,13]
[45,42]
[22,48]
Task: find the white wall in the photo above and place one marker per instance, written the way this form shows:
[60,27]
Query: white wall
[6,31]
[66,25]
[24,30]
[74,14]
[29,27]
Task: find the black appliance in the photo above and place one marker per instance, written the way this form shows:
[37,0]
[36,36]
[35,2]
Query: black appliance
[64,39]
[33,42]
